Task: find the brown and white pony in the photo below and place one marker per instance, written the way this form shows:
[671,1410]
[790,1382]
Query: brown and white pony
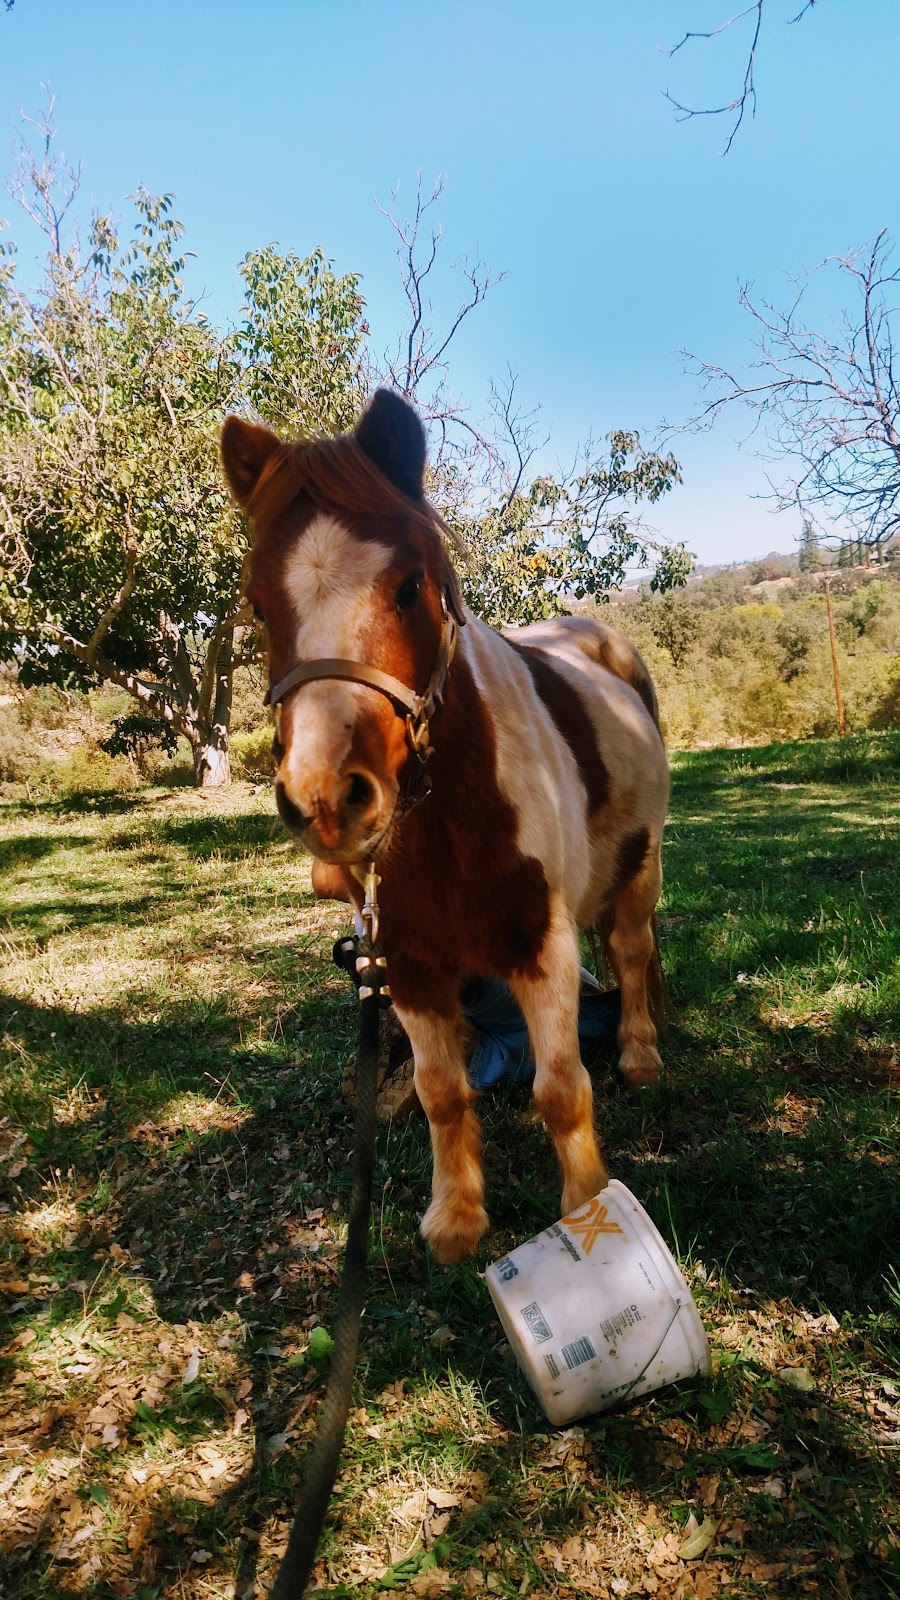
[548,782]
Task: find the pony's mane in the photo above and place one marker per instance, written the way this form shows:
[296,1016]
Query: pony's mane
[337,473]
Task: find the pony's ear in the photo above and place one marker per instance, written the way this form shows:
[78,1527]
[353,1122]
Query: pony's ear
[390,433]
[246,449]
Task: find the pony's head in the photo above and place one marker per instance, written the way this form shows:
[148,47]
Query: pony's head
[347,567]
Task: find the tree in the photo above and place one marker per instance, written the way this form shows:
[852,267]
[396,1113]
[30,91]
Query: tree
[810,558]
[300,342]
[542,541]
[676,627]
[828,401]
[122,551]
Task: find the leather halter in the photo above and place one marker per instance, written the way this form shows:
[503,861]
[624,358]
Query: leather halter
[417,708]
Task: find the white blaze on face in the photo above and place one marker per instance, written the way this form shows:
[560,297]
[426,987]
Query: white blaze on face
[329,576]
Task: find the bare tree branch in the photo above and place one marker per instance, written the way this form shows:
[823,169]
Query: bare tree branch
[746,96]
[419,367]
[826,400]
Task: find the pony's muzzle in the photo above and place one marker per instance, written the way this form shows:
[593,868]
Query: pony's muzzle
[336,817]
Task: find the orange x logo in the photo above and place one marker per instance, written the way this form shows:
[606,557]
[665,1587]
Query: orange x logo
[590,1222]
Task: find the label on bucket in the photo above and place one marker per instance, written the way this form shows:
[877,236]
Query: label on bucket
[613,1327]
[579,1351]
[536,1323]
[588,1223]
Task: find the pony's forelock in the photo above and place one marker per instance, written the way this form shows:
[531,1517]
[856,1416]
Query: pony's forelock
[338,475]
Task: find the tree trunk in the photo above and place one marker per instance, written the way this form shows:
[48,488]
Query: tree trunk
[211,760]
[212,766]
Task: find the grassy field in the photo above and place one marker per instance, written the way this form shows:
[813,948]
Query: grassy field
[173,1156]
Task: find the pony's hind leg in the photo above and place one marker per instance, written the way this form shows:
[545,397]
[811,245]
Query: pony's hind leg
[456,1218]
[632,943]
[562,1088]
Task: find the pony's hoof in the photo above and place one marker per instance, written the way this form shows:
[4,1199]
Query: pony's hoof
[453,1231]
[640,1065]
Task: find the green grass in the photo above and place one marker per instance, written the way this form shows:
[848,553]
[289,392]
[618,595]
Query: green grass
[174,1160]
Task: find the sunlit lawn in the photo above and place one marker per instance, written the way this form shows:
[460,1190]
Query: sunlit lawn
[174,1162]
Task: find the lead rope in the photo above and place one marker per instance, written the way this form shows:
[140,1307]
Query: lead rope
[298,1559]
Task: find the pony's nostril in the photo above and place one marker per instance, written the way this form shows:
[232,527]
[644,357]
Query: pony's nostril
[359,791]
[290,814]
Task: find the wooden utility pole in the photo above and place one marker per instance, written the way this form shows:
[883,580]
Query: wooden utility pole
[842,721]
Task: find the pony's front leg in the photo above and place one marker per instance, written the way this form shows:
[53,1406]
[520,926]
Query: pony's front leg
[562,1088]
[456,1218]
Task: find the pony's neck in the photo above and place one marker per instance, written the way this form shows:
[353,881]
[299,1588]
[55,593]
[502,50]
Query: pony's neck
[462,737]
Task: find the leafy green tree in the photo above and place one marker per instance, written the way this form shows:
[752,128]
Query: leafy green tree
[676,625]
[568,537]
[810,558]
[299,342]
[122,554]
[798,629]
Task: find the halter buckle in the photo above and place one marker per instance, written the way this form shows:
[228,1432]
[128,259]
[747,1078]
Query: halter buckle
[418,734]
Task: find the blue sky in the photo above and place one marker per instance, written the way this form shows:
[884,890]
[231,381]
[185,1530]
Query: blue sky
[624,234]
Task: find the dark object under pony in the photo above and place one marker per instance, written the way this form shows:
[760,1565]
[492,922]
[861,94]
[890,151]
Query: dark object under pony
[501,1051]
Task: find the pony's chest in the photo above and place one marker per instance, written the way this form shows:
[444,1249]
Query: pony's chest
[484,915]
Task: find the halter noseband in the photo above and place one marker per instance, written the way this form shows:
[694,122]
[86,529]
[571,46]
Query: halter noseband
[417,708]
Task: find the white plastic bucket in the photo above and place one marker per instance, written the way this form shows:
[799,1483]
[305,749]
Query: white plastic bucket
[596,1309]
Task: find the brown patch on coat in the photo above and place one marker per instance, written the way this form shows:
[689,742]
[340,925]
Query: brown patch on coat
[406,644]
[457,895]
[622,658]
[657,993]
[568,712]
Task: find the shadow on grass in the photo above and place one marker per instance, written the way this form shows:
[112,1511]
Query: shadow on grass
[22,850]
[94,802]
[814,1205]
[230,836]
[862,758]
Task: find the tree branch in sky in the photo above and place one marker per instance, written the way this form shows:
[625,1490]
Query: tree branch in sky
[827,398]
[746,96]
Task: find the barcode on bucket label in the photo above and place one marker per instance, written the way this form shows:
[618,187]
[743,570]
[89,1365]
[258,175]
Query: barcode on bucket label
[578,1352]
[620,1323]
[537,1323]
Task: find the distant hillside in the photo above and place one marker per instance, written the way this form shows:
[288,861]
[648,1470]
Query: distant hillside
[742,654]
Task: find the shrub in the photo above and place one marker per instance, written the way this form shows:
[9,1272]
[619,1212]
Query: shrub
[20,752]
[251,753]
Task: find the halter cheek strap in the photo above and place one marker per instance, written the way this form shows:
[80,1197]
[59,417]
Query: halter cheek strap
[418,708]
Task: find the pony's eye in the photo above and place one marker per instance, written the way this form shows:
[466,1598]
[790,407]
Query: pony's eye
[408,592]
